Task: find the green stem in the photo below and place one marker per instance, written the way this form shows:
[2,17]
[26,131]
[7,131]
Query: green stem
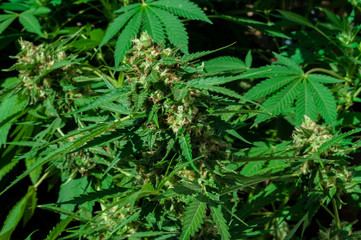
[357,93]
[336,217]
[325,71]
[45,175]
[328,211]
[99,74]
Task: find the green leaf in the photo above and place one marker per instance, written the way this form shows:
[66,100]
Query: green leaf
[183,8]
[6,168]
[30,23]
[224,91]
[174,28]
[128,7]
[116,25]
[60,64]
[280,101]
[296,18]
[179,93]
[252,168]
[267,71]
[124,40]
[11,108]
[30,207]
[194,217]
[5,22]
[196,55]
[220,222]
[325,101]
[186,147]
[93,196]
[39,10]
[70,189]
[289,63]
[248,60]
[323,78]
[337,139]
[294,229]
[305,104]
[66,148]
[269,86]
[15,215]
[101,101]
[337,22]
[59,228]
[153,25]
[125,151]
[225,64]
[207,82]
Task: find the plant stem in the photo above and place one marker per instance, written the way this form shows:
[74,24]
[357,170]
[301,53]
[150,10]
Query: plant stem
[45,175]
[337,217]
[328,211]
[99,74]
[325,71]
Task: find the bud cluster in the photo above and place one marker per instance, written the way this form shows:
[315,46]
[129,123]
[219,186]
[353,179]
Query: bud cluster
[38,70]
[157,80]
[310,136]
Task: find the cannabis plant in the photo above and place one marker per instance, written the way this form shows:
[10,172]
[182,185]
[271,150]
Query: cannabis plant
[118,122]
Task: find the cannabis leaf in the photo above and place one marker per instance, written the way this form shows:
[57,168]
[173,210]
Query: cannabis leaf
[194,217]
[26,18]
[186,147]
[220,222]
[158,18]
[286,83]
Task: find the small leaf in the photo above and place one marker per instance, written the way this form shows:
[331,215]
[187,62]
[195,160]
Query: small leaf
[179,93]
[128,8]
[174,28]
[153,25]
[325,101]
[269,86]
[296,18]
[225,64]
[220,222]
[305,104]
[186,147]
[124,40]
[289,63]
[116,25]
[323,78]
[252,168]
[183,8]
[280,101]
[194,217]
[248,60]
[66,148]
[15,215]
[30,23]
[59,228]
[5,22]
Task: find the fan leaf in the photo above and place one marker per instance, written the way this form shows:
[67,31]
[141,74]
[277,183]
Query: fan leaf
[183,8]
[194,217]
[124,40]
[325,101]
[176,32]
[305,104]
[30,23]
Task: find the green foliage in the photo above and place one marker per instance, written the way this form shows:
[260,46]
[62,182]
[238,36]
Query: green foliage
[112,127]
[27,17]
[194,217]
[158,18]
[288,83]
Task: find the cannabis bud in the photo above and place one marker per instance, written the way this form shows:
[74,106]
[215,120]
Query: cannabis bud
[310,136]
